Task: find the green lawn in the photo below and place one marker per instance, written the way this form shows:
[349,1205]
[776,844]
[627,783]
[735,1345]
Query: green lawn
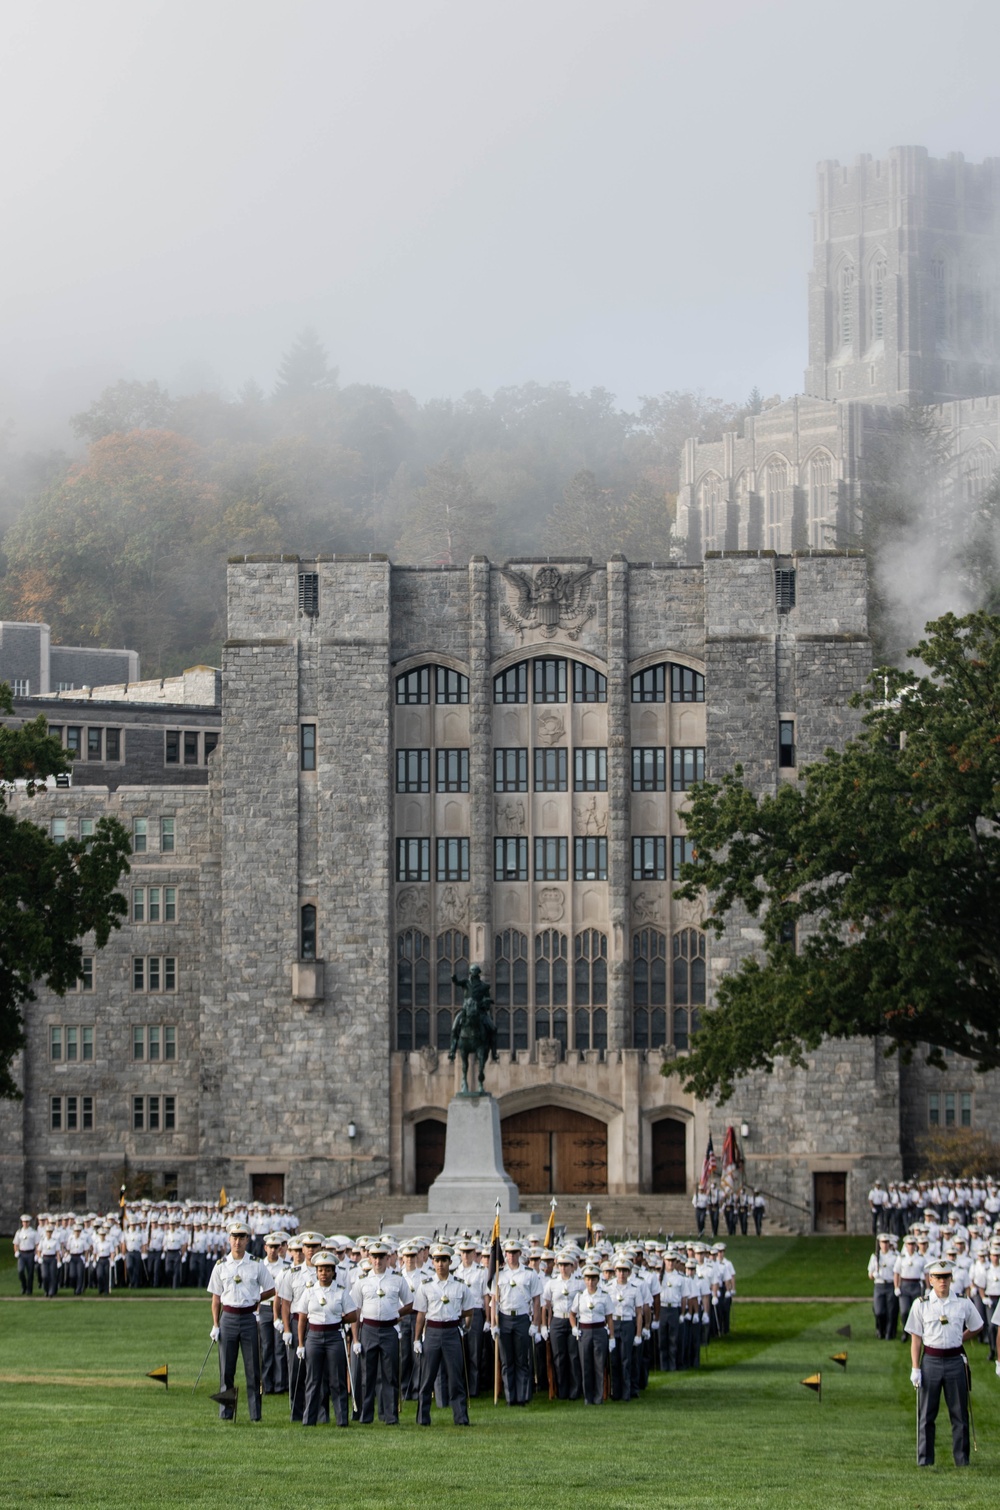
[83,1426]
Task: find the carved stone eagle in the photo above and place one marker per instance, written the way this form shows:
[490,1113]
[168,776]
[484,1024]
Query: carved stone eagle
[548,601]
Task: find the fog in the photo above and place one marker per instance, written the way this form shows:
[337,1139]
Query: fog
[455,196]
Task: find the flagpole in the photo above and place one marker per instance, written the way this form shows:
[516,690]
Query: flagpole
[496,1306]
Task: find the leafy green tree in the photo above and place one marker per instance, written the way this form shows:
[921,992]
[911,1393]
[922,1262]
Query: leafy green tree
[51,895]
[450,521]
[595,521]
[883,861]
[125,406]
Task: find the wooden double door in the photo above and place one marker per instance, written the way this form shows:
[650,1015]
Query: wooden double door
[551,1149]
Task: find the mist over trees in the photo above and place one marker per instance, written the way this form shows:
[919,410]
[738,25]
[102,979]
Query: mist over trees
[126,543]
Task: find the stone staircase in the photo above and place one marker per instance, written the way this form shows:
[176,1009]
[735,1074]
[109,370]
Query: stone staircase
[638,1215]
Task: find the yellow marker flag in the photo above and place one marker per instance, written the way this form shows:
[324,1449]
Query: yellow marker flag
[160,1375]
[223,1199]
[840,1358]
[550,1230]
[590,1228]
[815,1381]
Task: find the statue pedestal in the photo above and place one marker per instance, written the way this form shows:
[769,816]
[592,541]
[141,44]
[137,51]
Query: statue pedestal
[473,1179]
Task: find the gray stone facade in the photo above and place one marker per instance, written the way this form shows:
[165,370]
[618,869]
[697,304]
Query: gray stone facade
[324,885]
[34,666]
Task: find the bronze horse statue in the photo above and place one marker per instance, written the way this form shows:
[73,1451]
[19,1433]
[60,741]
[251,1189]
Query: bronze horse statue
[474,1032]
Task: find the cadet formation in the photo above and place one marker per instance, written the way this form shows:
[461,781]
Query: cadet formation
[936,1285]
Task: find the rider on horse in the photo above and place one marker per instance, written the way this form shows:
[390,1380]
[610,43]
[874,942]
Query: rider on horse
[473,1031]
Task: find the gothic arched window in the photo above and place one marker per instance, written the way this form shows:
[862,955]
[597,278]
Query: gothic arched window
[649,989]
[845,305]
[876,299]
[413,989]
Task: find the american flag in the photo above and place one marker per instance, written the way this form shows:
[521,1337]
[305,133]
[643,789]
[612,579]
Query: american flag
[709,1167]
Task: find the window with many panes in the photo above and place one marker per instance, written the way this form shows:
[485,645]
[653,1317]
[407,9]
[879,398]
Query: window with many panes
[650,685]
[154,972]
[307,747]
[649,857]
[413,859]
[154,1113]
[786,742]
[414,686]
[589,686]
[452,773]
[551,986]
[71,1044]
[413,770]
[649,989]
[413,989]
[590,770]
[452,950]
[649,769]
[549,679]
[510,859]
[688,984]
[452,860]
[510,989]
[510,770]
[71,1114]
[511,686]
[551,859]
[140,834]
[590,859]
[167,836]
[154,1042]
[687,765]
[590,990]
[551,770]
[683,854]
[154,904]
[450,686]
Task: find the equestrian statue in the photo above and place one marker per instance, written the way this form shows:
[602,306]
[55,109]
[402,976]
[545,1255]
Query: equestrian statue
[474,1031]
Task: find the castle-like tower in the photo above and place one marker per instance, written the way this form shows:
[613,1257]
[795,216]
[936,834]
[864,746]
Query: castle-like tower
[903,288]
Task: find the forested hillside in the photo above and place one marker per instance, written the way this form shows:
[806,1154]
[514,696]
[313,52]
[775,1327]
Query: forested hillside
[126,543]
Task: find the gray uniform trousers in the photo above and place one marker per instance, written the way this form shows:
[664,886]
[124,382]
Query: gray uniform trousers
[271,1346]
[515,1358]
[943,1376]
[238,1333]
[909,1291]
[473,1344]
[593,1349]
[621,1359]
[409,1372]
[296,1375]
[26,1271]
[443,1350]
[670,1330]
[379,1364]
[326,1376]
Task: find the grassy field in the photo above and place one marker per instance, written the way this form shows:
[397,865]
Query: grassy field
[83,1426]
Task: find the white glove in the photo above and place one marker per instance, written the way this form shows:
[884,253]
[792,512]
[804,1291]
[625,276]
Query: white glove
[533,1333]
[916,1378]
[356,1349]
[545,1334]
[494,1331]
[896,1293]
[998,1368]
[418,1347]
[300,1354]
[215,1334]
[279,1326]
[654,1326]
[612,1344]
[645,1334]
[288,1339]
[398,1330]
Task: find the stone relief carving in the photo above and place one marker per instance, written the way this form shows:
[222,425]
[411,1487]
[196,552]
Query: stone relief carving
[412,907]
[591,819]
[647,907]
[547,600]
[549,1052]
[690,914]
[428,1058]
[452,907]
[551,904]
[550,728]
[510,817]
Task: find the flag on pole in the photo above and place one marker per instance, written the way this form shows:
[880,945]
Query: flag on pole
[122,1207]
[709,1167]
[815,1381]
[550,1230]
[732,1163]
[161,1374]
[496,1253]
[840,1358]
[223,1199]
[590,1228]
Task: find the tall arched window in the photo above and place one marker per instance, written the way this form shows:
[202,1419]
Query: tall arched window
[821,497]
[980,465]
[551,984]
[510,989]
[688,982]
[940,297]
[876,299]
[845,305]
[590,990]
[776,501]
[712,496]
[649,989]
[413,989]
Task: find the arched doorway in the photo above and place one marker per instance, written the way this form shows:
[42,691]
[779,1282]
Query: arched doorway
[669,1157]
[551,1148]
[428,1153]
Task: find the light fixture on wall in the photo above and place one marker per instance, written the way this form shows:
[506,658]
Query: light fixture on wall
[744,1129]
[352,1130]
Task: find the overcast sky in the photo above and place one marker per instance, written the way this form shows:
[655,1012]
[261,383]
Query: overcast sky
[456,193]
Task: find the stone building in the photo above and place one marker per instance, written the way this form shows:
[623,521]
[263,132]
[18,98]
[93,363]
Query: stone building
[904,308]
[403,772]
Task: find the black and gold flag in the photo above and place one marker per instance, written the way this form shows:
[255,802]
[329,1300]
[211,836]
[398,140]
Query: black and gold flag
[840,1358]
[159,1374]
[815,1381]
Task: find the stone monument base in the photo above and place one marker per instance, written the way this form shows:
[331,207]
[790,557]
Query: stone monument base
[473,1179]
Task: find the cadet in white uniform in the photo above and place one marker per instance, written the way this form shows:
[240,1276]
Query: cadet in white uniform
[25,1243]
[557,1300]
[473,1276]
[380,1298]
[237,1286]
[321,1343]
[440,1307]
[941,1322]
[594,1330]
[518,1322]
